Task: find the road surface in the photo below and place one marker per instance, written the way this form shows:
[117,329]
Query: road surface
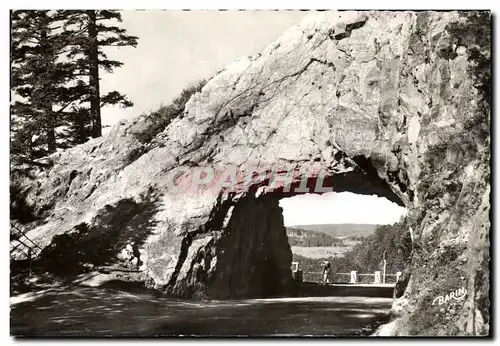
[87,311]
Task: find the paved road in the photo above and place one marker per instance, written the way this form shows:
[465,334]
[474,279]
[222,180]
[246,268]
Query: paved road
[86,311]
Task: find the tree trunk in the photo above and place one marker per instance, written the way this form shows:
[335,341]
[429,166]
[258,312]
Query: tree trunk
[81,120]
[46,102]
[51,134]
[95,101]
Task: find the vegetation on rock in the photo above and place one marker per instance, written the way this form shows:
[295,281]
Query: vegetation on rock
[158,120]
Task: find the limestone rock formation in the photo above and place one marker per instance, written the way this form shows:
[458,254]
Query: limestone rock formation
[370,102]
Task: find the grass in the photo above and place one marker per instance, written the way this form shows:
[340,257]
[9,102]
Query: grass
[158,120]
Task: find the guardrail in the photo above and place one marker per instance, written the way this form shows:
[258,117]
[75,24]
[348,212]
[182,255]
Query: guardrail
[352,277]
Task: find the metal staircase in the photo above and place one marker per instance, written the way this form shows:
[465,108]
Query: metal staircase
[21,246]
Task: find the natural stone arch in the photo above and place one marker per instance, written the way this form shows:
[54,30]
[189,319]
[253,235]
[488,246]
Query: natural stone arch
[254,257]
[369,97]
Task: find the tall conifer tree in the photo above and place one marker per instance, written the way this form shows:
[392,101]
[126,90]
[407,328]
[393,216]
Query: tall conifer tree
[39,81]
[92,30]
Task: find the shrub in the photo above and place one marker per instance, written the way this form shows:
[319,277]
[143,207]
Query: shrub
[158,120]
[474,33]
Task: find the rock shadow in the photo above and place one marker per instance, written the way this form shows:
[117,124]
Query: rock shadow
[117,229]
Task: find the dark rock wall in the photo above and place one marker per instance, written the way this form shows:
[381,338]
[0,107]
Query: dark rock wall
[253,256]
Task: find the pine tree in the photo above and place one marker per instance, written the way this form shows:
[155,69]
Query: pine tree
[90,31]
[55,62]
[38,81]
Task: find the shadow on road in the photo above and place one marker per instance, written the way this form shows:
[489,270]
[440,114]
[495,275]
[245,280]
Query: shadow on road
[86,311]
[309,289]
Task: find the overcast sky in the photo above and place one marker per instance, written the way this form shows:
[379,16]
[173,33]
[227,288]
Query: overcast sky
[177,48]
[344,207]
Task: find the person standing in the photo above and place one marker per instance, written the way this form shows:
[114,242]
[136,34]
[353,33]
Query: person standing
[326,272]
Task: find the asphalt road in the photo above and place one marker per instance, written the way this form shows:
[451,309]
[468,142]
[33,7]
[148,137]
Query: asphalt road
[96,312]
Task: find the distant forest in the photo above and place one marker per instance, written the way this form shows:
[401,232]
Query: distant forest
[366,256]
[339,230]
[300,237]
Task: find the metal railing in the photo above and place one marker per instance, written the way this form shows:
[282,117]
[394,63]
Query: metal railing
[23,244]
[352,277]
[345,278]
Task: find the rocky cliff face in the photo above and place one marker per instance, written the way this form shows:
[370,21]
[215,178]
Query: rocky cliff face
[368,102]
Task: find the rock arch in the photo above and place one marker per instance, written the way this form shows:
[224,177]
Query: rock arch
[367,98]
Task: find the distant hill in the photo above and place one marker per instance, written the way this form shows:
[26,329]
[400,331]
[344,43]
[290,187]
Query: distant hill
[323,241]
[339,230]
[303,237]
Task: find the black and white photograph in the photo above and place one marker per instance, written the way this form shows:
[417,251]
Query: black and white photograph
[250,173]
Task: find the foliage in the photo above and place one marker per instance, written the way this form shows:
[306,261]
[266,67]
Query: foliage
[55,61]
[474,33]
[339,230]
[39,80]
[297,237]
[455,151]
[90,30]
[20,209]
[367,256]
[158,120]
[389,239]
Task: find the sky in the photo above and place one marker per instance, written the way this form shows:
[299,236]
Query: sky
[343,207]
[177,48]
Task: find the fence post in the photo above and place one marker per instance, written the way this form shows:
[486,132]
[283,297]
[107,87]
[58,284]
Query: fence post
[29,259]
[385,265]
[398,276]
[377,277]
[296,272]
[354,279]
